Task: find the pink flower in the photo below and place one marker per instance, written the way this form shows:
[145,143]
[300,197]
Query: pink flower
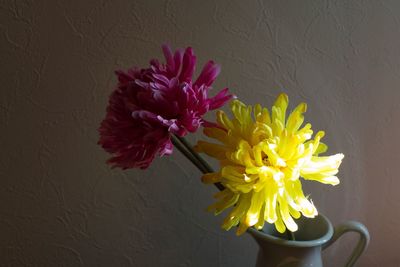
[150,104]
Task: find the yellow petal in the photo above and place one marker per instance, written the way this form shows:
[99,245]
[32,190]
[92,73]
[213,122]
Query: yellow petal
[270,203]
[296,118]
[257,202]
[277,127]
[322,164]
[285,214]
[304,133]
[332,180]
[294,213]
[257,155]
[213,150]
[260,224]
[302,204]
[264,117]
[241,112]
[242,228]
[216,133]
[233,173]
[279,108]
[223,120]
[238,212]
[273,156]
[279,225]
[228,201]
[307,208]
[322,148]
[211,178]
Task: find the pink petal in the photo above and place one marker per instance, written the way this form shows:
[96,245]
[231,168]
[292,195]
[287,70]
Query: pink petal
[208,74]
[168,57]
[220,99]
[166,148]
[188,65]
[178,62]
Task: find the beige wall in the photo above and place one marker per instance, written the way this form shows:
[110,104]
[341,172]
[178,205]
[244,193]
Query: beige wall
[60,205]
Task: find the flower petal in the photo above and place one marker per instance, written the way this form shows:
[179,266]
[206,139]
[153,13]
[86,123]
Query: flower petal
[208,74]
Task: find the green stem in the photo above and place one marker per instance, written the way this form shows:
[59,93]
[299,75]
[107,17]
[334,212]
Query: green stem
[290,235]
[186,153]
[195,154]
[187,150]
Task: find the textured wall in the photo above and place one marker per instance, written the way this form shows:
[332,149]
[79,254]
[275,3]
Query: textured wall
[60,205]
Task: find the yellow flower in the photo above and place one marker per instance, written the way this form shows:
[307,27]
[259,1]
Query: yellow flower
[262,157]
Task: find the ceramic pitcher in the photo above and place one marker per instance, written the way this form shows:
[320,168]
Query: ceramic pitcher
[313,236]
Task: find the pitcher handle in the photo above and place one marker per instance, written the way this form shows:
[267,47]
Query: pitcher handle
[351,226]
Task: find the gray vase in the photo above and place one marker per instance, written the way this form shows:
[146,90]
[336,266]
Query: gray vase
[313,236]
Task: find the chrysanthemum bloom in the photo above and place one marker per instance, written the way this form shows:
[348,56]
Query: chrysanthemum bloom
[262,158]
[150,104]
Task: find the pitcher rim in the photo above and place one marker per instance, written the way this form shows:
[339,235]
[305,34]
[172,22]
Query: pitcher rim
[294,243]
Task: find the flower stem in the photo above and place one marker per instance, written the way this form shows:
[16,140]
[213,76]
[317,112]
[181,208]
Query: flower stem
[187,150]
[290,235]
[186,153]
[195,154]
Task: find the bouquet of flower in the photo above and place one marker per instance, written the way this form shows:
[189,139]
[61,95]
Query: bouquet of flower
[262,153]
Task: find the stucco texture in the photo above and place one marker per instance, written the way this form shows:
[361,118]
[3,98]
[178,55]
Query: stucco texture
[61,205]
